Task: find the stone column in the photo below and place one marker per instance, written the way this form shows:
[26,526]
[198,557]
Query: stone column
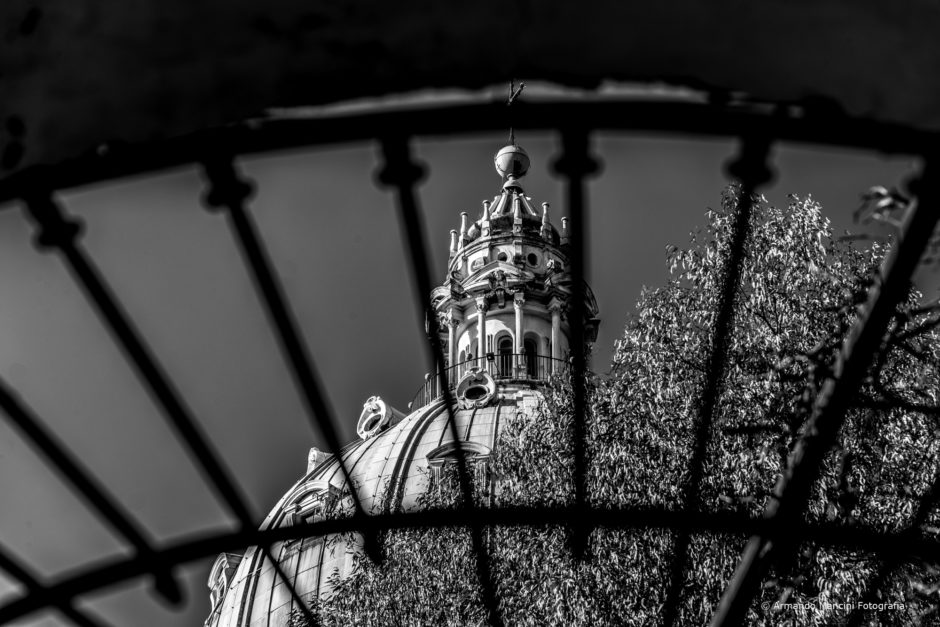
[451,339]
[555,308]
[518,300]
[481,331]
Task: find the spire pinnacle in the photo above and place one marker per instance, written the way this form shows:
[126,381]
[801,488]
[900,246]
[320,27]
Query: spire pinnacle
[514,93]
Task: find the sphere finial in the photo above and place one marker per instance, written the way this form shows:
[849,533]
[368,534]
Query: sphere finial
[512,161]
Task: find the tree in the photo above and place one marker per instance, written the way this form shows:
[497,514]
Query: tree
[798,295]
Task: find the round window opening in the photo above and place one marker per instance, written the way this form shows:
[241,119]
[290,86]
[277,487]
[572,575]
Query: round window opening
[533,259]
[502,257]
[372,423]
[475,389]
[475,392]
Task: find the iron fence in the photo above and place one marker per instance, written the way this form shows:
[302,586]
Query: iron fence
[757,127]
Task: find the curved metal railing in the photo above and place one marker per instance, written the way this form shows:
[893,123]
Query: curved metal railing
[757,127]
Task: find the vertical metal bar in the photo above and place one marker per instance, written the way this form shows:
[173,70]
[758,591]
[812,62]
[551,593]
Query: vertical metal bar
[401,173]
[75,473]
[34,588]
[861,344]
[575,164]
[751,169]
[59,233]
[229,192]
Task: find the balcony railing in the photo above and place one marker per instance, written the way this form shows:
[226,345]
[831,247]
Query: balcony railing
[501,366]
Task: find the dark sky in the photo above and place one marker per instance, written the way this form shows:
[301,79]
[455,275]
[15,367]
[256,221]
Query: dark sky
[337,246]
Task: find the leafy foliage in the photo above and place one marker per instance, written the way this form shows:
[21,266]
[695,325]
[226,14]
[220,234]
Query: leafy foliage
[799,293]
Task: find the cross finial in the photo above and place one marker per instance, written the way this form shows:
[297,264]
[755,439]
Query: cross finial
[513,94]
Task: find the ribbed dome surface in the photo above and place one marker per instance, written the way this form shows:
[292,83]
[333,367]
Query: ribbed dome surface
[390,469]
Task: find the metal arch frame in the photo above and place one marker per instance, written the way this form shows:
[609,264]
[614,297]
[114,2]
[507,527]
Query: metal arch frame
[757,125]
[107,573]
[284,132]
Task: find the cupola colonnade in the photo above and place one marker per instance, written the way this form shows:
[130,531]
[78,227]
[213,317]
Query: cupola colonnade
[508,287]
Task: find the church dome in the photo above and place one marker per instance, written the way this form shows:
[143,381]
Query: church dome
[392,469]
[504,323]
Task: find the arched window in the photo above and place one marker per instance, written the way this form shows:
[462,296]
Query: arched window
[311,502]
[504,363]
[460,367]
[220,577]
[531,352]
[443,460]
